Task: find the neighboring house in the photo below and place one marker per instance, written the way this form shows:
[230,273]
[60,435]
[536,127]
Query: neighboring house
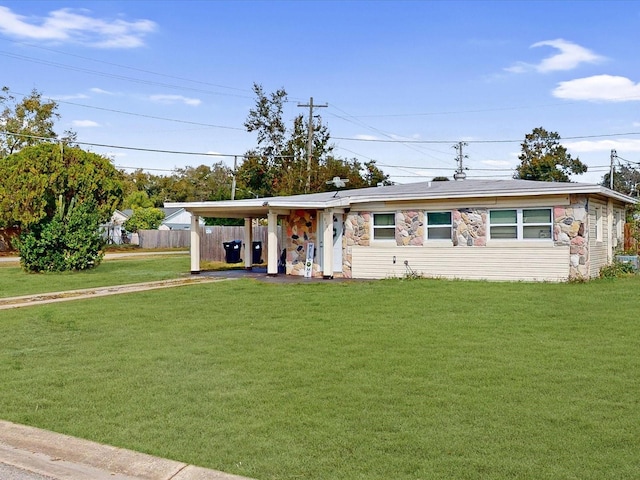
[176,219]
[472,229]
[112,231]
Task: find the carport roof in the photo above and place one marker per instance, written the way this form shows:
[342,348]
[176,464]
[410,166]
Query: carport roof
[259,207]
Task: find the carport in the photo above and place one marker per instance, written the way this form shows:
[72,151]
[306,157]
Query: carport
[323,205]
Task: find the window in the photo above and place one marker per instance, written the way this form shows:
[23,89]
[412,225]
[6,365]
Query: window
[520,224]
[598,224]
[438,225]
[619,226]
[384,226]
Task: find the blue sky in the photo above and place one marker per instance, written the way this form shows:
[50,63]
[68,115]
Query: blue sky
[404,81]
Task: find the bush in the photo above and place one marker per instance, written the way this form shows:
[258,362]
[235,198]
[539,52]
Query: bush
[144,219]
[617,269]
[69,240]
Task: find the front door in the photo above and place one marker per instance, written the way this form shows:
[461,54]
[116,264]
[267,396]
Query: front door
[338,226]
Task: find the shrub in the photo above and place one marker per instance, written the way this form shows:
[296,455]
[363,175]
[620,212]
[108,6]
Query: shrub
[617,269]
[144,219]
[70,240]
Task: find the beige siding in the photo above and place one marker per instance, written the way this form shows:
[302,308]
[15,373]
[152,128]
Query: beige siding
[598,256]
[443,204]
[533,263]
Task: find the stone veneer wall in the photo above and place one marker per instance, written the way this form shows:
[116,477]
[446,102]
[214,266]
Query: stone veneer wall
[301,229]
[470,227]
[410,228]
[357,231]
[570,228]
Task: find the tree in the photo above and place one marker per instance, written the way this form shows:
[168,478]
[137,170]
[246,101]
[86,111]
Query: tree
[279,165]
[137,199]
[544,159]
[266,119]
[374,176]
[144,219]
[27,122]
[69,240]
[625,180]
[34,178]
[201,183]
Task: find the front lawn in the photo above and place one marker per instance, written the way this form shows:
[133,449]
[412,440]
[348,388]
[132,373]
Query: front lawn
[14,281]
[393,379]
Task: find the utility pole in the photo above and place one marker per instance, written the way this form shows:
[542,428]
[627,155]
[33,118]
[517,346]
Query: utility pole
[310,105]
[614,155]
[460,175]
[233,182]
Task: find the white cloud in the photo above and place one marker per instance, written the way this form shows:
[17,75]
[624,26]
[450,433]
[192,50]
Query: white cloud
[73,96]
[607,88]
[569,56]
[100,91]
[366,137]
[497,163]
[171,99]
[76,26]
[587,146]
[85,123]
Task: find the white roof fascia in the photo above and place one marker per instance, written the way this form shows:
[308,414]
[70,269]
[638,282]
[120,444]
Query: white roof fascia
[560,190]
[350,197]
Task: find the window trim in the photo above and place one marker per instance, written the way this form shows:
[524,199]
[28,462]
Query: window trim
[599,225]
[438,227]
[375,227]
[520,225]
[619,227]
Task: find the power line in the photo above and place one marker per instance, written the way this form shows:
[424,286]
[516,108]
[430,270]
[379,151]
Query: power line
[113,75]
[374,129]
[142,115]
[121,147]
[126,66]
[378,140]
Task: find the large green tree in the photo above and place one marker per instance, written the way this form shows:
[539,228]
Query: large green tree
[27,122]
[279,165]
[543,158]
[626,180]
[188,184]
[34,178]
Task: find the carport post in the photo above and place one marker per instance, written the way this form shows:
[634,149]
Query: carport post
[327,243]
[272,244]
[195,244]
[248,243]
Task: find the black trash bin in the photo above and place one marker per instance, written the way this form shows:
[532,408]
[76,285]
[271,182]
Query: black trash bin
[256,252]
[232,251]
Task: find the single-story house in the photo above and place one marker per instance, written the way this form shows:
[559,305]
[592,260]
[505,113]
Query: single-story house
[113,231]
[471,229]
[176,218]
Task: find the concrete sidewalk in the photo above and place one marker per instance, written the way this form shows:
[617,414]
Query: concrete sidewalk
[63,457]
[67,295]
[112,256]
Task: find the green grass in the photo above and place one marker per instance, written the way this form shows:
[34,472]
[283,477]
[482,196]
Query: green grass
[14,281]
[421,379]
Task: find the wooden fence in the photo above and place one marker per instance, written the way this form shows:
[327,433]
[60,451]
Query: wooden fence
[164,238]
[630,243]
[211,240]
